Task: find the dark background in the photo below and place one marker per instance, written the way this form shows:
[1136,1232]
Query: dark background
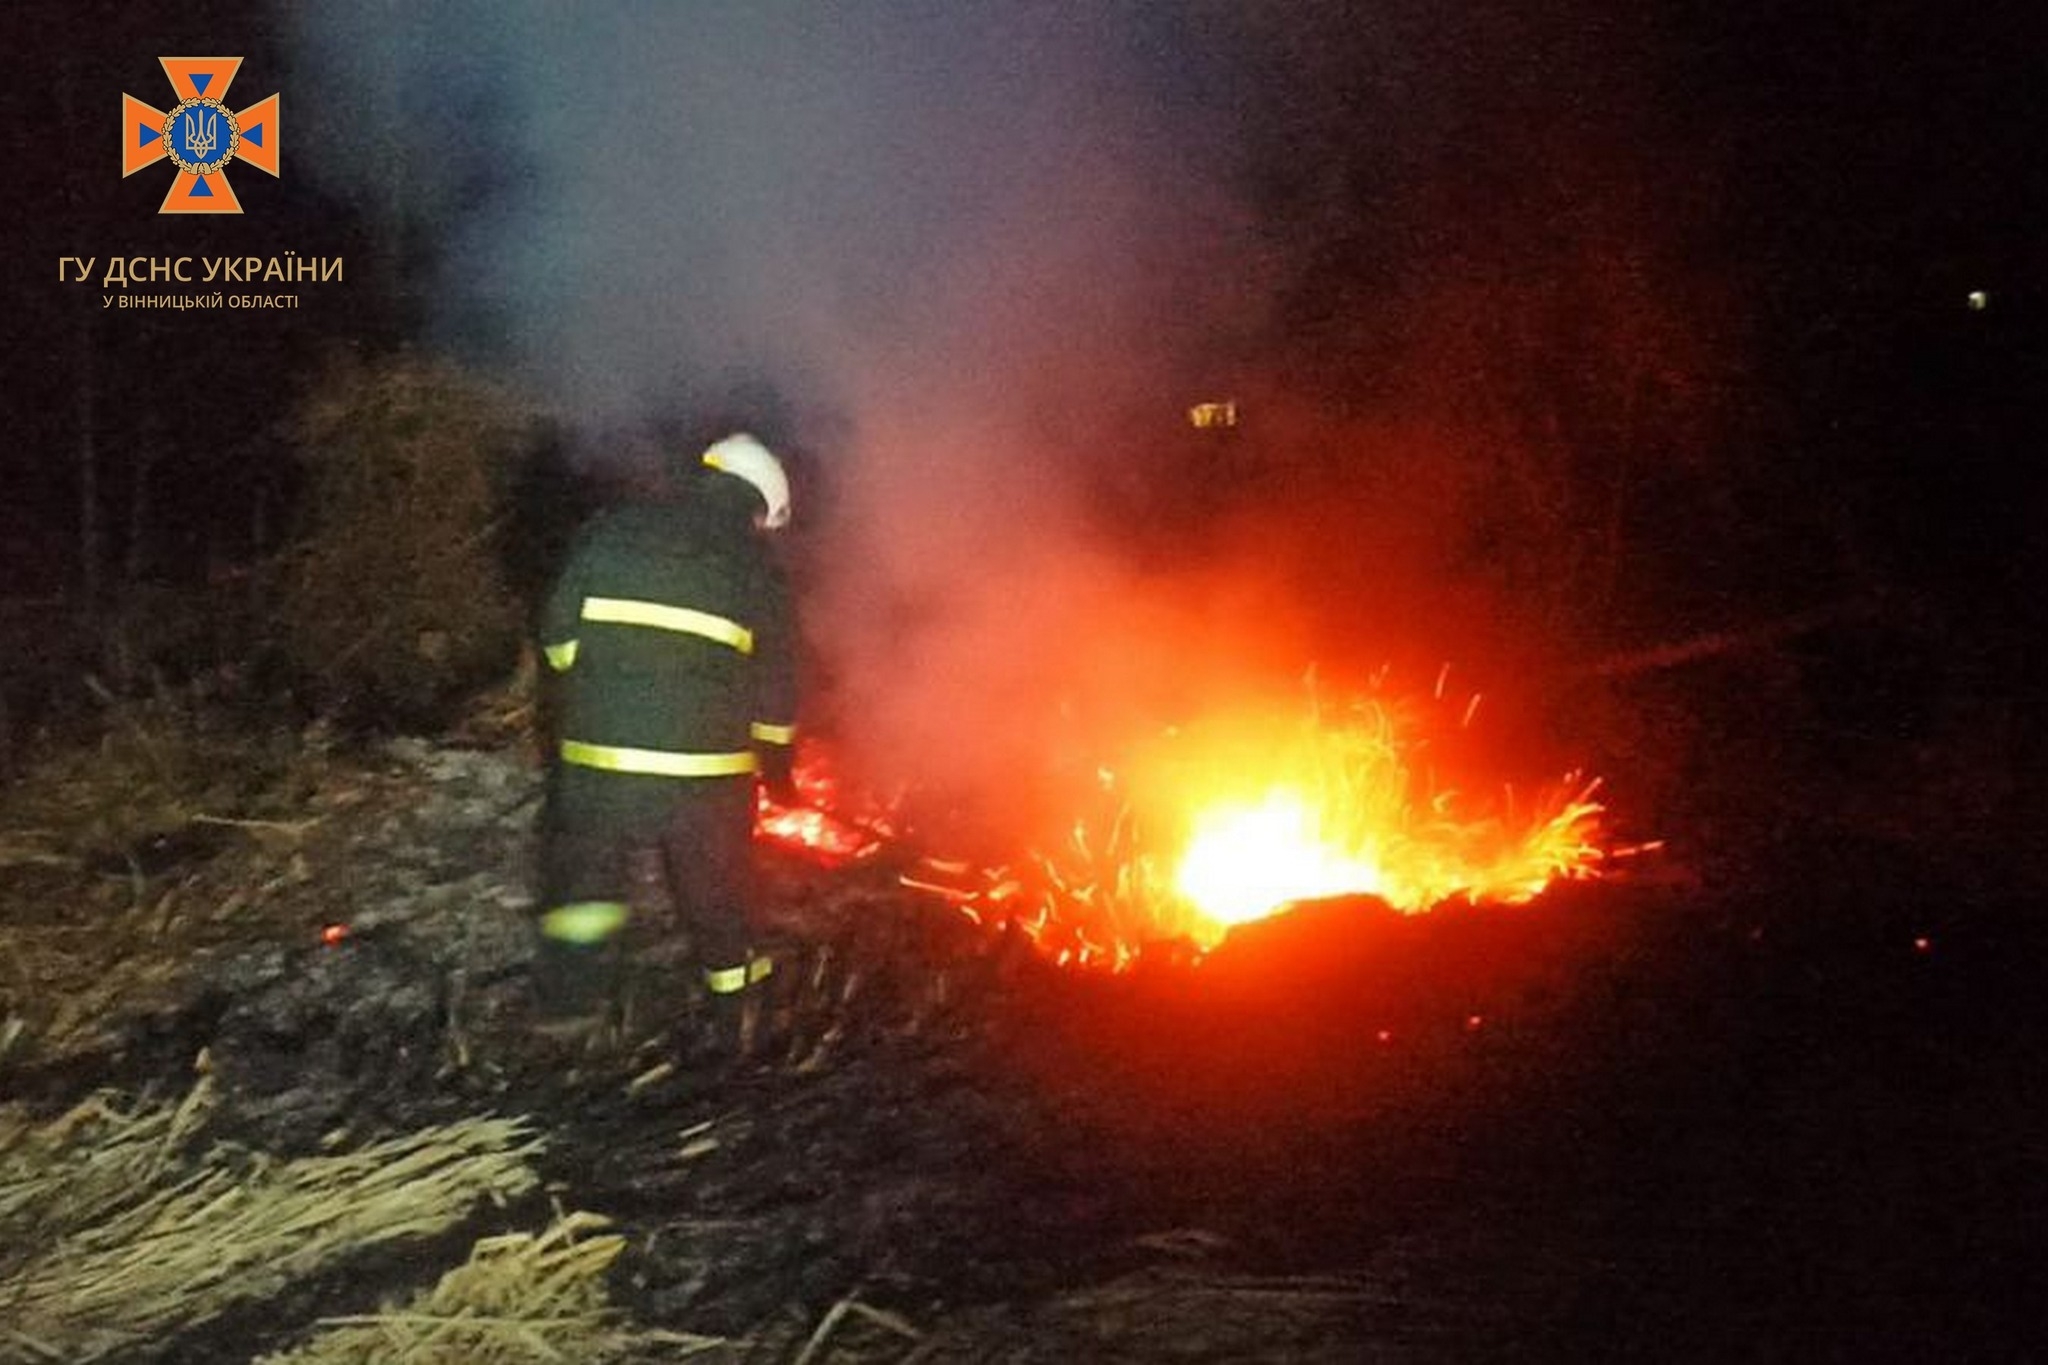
[1684,289]
[1829,421]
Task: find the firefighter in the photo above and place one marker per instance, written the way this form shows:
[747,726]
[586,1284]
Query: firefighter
[668,637]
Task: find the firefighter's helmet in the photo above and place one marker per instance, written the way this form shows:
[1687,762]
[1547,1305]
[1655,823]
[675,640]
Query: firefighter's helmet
[743,457]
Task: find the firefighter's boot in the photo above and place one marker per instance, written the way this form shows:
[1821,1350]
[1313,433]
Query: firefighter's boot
[738,1007]
[576,989]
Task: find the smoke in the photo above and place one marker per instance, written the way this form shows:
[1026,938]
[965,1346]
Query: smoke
[975,248]
[985,256]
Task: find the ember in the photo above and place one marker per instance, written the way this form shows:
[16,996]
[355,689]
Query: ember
[827,825]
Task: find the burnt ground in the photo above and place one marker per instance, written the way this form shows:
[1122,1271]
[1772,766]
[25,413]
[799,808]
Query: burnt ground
[1787,1110]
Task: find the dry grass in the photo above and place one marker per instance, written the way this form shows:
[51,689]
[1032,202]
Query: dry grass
[519,1298]
[113,1234]
[156,763]
[123,859]
[72,1171]
[75,986]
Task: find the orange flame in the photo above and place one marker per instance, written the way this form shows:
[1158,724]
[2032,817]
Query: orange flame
[1246,814]
[1271,814]
[1232,821]
[825,824]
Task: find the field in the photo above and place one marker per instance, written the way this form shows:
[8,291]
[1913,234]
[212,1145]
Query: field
[270,1094]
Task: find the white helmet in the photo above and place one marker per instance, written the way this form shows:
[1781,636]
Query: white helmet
[743,457]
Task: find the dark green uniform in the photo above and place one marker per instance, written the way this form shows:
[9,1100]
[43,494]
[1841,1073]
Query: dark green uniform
[670,631]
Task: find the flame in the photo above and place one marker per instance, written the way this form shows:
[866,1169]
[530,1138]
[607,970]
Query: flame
[1224,823]
[826,824]
[1235,819]
[1272,813]
[1244,861]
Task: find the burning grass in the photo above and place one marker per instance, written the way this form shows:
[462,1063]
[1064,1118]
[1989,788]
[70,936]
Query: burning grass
[1266,813]
[829,823]
[1234,818]
[391,842]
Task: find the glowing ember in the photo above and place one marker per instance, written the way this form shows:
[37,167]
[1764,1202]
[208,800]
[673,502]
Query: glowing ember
[825,825]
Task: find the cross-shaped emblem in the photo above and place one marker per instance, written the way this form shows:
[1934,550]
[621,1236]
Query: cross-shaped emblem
[201,135]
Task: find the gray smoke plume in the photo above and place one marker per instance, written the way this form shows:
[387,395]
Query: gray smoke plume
[967,243]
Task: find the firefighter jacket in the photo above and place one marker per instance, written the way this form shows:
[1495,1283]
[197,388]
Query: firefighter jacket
[671,630]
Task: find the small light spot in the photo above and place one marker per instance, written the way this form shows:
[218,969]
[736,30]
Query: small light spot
[1385,1035]
[1979,300]
[1923,944]
[333,934]
[1474,1022]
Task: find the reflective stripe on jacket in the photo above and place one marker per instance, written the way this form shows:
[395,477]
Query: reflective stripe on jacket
[672,635]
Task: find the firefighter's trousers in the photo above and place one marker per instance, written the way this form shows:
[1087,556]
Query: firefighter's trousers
[596,825]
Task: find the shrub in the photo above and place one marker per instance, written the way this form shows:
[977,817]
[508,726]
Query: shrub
[394,599]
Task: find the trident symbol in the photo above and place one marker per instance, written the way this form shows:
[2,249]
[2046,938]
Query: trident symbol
[200,133]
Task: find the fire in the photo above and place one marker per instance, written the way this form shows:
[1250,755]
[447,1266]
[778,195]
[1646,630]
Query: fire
[1244,861]
[1267,813]
[1216,825]
[826,824]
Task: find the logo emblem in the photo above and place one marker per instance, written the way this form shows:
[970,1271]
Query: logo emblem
[200,135]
